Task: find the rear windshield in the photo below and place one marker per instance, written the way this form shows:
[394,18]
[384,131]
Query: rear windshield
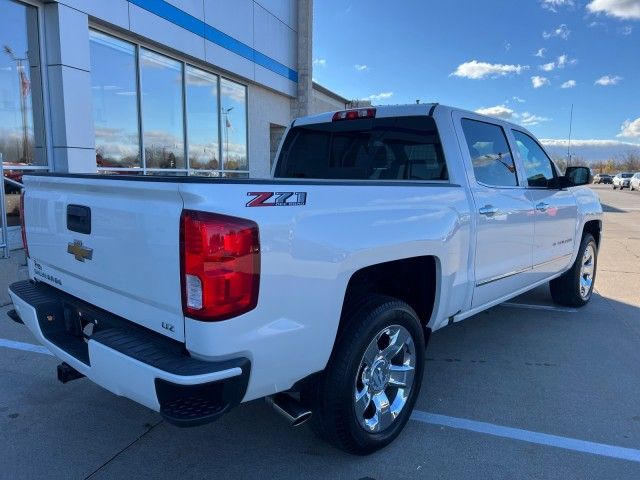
[627,175]
[400,148]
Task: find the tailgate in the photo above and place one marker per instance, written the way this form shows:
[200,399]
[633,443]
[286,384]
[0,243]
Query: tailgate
[129,261]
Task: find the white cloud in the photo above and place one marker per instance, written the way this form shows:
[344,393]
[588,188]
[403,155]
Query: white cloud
[360,68]
[518,99]
[562,60]
[538,81]
[528,119]
[608,80]
[320,62]
[626,30]
[553,5]
[568,84]
[564,143]
[499,111]
[378,96]
[625,9]
[630,129]
[507,46]
[540,53]
[561,32]
[505,113]
[479,70]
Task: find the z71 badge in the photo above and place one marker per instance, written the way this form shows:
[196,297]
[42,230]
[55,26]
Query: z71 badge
[277,199]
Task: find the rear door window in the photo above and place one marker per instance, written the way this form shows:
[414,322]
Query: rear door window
[490,154]
[401,148]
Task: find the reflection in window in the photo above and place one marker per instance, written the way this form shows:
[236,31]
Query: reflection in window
[162,120]
[202,119]
[115,101]
[537,165]
[21,128]
[406,148]
[135,88]
[490,154]
[233,110]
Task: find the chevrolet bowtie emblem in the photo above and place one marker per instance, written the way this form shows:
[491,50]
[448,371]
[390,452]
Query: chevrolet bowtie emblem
[79,251]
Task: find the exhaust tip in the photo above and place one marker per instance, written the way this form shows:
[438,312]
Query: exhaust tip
[301,419]
[291,409]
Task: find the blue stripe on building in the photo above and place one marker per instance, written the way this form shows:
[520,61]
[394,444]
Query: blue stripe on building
[198,27]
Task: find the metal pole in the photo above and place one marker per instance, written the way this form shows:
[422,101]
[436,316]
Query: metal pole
[569,143]
[3,213]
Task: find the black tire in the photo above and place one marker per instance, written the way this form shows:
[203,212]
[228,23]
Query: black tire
[566,290]
[332,396]
[614,187]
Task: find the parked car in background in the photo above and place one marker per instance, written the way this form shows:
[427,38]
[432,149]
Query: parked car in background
[602,178]
[621,180]
[634,182]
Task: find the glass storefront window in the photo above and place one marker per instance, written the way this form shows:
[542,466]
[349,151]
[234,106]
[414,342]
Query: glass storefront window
[115,101]
[162,118]
[164,103]
[21,112]
[233,109]
[202,119]
[22,141]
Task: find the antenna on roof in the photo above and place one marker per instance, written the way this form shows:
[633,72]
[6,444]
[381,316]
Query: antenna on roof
[569,143]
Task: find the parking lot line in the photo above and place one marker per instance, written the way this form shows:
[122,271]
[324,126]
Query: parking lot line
[546,439]
[26,347]
[538,307]
[528,436]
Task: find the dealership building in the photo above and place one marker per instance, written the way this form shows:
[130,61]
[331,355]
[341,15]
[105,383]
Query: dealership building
[178,87]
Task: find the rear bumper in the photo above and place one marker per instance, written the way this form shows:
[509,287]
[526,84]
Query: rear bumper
[132,361]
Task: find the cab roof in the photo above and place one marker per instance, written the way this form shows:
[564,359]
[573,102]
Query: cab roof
[408,110]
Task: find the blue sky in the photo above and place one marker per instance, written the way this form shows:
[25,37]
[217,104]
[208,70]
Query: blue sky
[524,60]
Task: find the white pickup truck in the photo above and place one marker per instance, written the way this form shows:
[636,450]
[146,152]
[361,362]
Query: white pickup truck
[317,289]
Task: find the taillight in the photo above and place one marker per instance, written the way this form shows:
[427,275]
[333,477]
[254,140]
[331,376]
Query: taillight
[354,114]
[220,265]
[24,230]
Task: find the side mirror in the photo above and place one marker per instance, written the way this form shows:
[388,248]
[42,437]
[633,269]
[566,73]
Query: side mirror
[576,176]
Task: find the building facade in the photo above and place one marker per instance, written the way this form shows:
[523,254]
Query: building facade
[178,87]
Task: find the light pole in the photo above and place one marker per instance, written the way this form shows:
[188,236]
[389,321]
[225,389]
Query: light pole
[227,124]
[24,90]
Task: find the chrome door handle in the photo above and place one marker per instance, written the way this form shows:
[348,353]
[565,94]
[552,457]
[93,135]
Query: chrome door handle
[542,207]
[488,210]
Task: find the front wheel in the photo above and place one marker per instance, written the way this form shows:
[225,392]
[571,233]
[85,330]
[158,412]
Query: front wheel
[574,287]
[368,390]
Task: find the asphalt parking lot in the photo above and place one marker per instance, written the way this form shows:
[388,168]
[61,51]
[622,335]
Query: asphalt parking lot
[524,390]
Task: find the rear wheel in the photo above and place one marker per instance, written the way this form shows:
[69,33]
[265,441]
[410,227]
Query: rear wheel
[369,388]
[574,287]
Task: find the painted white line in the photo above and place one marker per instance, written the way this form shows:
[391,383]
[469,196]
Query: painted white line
[26,347]
[528,436]
[538,307]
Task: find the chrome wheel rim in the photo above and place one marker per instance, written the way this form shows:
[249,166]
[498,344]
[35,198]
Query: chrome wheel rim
[384,379]
[586,271]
